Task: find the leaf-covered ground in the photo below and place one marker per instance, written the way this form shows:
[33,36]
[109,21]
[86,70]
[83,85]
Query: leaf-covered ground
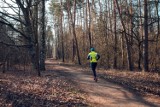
[24,89]
[105,93]
[141,82]
[55,89]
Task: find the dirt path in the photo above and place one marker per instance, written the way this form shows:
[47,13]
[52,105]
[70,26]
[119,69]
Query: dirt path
[103,93]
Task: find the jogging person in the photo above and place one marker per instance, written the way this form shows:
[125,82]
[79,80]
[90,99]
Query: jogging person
[93,57]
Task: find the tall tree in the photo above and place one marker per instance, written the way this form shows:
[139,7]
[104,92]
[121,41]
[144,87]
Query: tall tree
[158,33]
[35,24]
[24,16]
[145,51]
[43,38]
[130,66]
[61,29]
[88,22]
[73,19]
[115,38]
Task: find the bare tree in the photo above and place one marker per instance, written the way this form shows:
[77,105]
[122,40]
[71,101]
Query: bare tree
[43,37]
[115,38]
[145,51]
[27,20]
[130,66]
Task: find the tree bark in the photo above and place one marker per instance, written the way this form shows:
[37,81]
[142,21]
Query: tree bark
[43,39]
[36,38]
[61,26]
[145,51]
[115,38]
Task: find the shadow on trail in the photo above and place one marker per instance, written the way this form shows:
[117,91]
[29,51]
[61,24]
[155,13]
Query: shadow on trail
[13,95]
[73,75]
[137,96]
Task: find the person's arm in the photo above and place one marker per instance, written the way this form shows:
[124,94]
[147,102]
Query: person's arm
[98,56]
[88,57]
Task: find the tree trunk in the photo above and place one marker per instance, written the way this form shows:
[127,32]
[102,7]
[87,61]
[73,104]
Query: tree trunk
[89,25]
[141,36]
[145,45]
[73,29]
[43,39]
[36,38]
[61,29]
[74,33]
[130,66]
[115,39]
[157,41]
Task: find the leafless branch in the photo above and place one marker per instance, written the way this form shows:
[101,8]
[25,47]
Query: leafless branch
[11,26]
[11,17]
[7,44]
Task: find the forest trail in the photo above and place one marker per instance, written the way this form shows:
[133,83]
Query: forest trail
[102,93]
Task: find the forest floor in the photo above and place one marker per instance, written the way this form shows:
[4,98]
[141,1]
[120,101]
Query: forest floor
[69,85]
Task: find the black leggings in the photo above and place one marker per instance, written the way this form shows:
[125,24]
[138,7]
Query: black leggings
[93,66]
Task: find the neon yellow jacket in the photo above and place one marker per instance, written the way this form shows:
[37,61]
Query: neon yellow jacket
[93,56]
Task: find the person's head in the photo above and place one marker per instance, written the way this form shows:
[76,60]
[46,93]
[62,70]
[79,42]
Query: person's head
[92,49]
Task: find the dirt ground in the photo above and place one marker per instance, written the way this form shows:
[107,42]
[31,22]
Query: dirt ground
[103,93]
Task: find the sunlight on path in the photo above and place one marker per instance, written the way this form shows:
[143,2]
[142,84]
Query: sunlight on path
[103,93]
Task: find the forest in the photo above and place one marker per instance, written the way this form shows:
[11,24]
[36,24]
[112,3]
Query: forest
[124,32]
[34,33]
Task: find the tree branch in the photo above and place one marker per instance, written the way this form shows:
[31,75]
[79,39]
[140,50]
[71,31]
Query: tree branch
[11,26]
[25,46]
[11,17]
